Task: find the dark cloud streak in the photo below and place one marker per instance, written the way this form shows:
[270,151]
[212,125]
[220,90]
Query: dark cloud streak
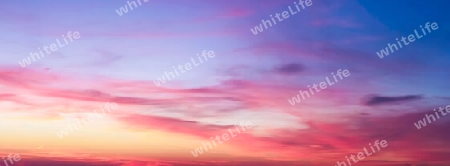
[374,100]
[291,68]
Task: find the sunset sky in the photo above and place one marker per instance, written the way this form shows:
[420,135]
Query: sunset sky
[250,79]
